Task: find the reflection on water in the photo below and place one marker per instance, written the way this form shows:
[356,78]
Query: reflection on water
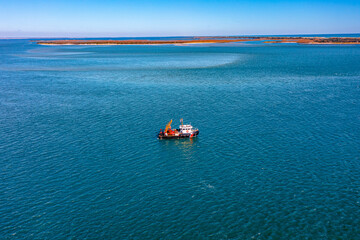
[185,145]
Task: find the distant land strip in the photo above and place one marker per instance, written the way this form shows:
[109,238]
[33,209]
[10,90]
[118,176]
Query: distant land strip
[221,39]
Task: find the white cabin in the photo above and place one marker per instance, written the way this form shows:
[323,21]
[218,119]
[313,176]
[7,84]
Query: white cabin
[186,129]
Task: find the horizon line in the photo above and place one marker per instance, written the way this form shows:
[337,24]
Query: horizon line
[225,35]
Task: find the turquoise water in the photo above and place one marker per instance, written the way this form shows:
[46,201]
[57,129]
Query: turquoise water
[278,155]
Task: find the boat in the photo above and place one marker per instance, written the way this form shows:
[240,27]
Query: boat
[184,131]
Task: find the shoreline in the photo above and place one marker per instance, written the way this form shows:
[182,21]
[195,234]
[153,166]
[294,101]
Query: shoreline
[209,40]
[125,44]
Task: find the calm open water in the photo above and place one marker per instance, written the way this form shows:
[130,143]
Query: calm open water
[278,155]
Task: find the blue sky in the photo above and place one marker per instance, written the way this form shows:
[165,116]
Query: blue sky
[105,18]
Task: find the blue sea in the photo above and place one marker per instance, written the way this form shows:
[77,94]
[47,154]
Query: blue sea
[277,157]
